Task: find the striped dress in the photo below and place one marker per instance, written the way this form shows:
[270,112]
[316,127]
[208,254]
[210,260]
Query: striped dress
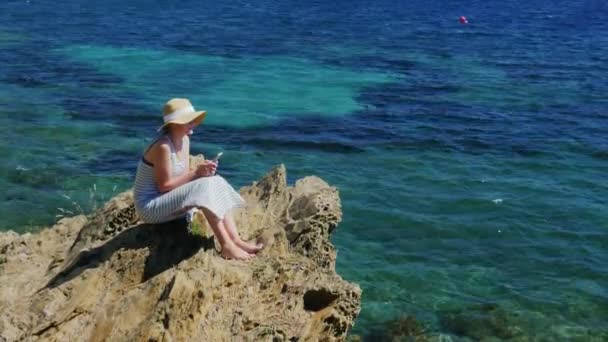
[152,206]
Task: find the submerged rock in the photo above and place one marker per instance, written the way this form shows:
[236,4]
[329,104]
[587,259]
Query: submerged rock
[485,321]
[492,322]
[406,328]
[108,276]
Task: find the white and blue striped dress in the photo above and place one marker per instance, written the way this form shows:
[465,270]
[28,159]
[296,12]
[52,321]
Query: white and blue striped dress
[153,206]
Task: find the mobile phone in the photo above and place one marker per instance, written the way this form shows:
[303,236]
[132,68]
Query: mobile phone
[217,156]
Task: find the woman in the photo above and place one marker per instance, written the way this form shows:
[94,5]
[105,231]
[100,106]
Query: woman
[166,188]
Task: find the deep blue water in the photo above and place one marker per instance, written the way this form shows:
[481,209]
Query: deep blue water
[471,159]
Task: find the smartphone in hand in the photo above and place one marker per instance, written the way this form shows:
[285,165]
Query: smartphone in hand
[217,157]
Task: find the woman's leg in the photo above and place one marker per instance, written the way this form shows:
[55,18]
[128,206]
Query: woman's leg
[230,250]
[234,235]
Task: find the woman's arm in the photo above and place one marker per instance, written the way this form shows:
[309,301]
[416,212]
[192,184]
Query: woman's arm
[162,169]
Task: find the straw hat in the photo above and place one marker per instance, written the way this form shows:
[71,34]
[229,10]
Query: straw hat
[180,111]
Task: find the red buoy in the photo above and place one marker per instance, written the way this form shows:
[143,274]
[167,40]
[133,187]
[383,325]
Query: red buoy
[463,20]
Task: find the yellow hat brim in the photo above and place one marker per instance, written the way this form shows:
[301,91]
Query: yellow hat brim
[198,116]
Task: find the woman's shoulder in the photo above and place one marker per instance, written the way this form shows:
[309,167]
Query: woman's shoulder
[161,145]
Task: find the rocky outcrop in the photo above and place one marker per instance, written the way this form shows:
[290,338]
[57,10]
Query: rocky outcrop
[108,276]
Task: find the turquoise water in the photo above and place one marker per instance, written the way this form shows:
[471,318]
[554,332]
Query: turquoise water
[470,160]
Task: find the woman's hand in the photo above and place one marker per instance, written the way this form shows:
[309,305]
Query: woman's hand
[206,168]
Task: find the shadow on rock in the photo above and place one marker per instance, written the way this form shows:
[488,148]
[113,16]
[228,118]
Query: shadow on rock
[168,244]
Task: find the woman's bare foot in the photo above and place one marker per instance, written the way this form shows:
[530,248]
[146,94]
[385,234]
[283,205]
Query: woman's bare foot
[249,247]
[232,251]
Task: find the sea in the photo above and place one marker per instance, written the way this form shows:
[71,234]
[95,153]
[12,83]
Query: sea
[471,156]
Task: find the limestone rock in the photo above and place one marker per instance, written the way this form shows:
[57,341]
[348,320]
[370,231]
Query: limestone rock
[108,276]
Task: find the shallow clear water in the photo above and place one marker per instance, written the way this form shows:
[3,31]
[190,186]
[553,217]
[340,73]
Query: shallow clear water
[471,159]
